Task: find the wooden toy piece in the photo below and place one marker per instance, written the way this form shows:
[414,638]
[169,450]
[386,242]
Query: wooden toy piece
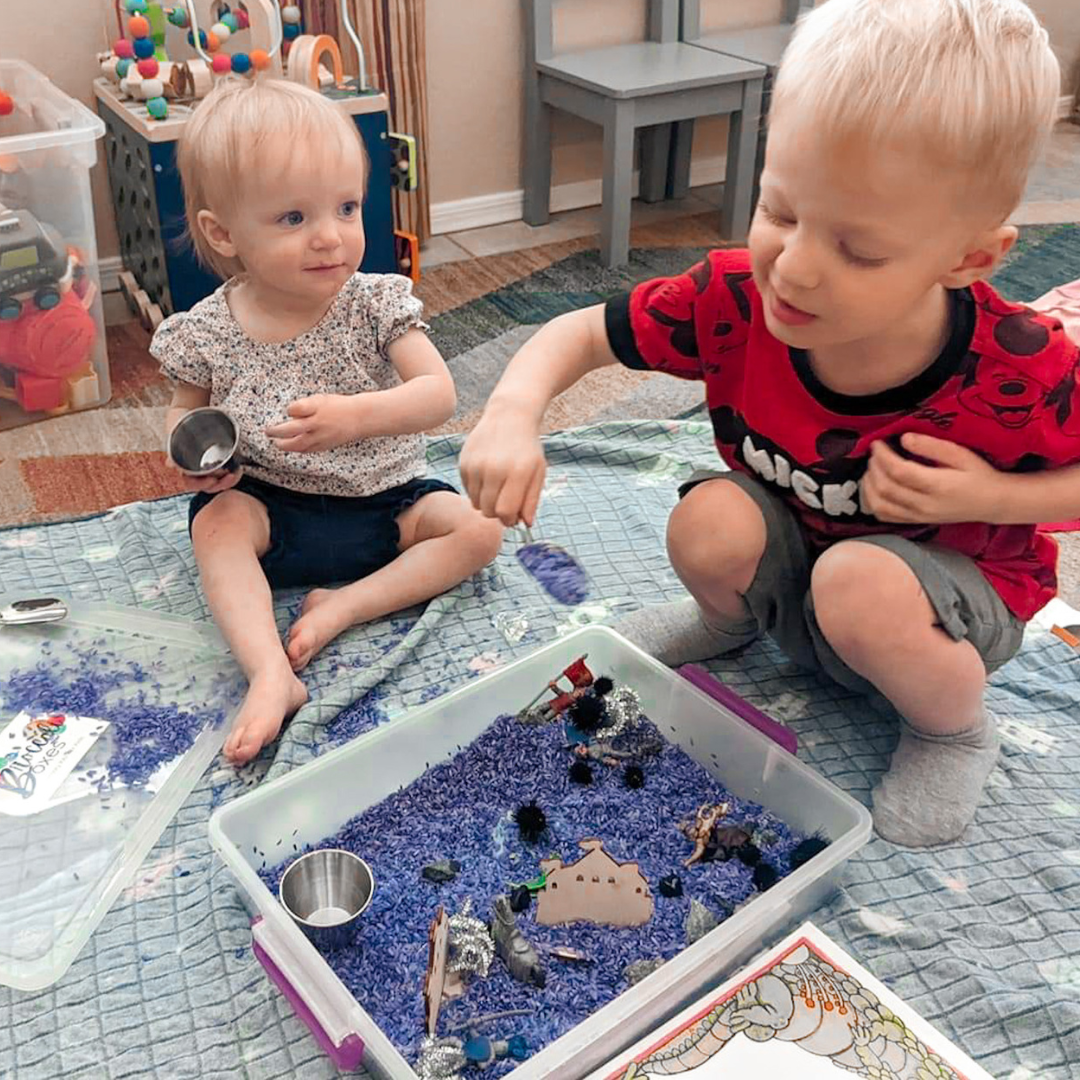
[594,889]
[439,983]
[304,58]
[7,104]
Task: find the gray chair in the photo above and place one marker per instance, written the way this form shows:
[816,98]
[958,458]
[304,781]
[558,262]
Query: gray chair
[647,85]
[762,45]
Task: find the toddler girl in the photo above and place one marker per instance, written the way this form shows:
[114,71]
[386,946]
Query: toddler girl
[330,379]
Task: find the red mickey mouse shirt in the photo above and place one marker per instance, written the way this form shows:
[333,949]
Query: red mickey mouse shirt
[1005,386]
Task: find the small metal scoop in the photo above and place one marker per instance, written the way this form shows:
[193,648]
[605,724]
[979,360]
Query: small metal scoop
[326,892]
[40,610]
[204,441]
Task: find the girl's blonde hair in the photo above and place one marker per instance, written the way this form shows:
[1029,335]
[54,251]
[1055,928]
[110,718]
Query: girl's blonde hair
[972,82]
[228,135]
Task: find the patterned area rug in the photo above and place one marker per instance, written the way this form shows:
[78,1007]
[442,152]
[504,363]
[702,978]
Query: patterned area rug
[480,311]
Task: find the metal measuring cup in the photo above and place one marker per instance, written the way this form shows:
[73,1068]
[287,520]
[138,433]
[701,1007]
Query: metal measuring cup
[204,441]
[326,892]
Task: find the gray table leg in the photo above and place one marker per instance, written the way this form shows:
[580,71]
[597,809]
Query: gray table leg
[618,178]
[655,148]
[741,158]
[537,165]
[681,146]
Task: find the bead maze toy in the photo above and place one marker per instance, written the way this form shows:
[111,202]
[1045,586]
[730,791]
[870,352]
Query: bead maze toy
[161,274]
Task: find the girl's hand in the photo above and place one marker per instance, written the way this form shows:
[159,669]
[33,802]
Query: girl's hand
[959,486]
[221,480]
[502,467]
[319,422]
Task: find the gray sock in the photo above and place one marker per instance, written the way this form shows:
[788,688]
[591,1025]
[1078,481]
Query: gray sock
[933,785]
[677,633]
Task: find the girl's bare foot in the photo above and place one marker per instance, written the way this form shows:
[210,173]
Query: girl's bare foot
[321,620]
[273,695]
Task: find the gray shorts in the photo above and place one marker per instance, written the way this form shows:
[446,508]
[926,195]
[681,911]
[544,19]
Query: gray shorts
[779,597]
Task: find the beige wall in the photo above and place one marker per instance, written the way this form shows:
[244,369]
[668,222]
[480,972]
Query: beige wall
[61,38]
[475,56]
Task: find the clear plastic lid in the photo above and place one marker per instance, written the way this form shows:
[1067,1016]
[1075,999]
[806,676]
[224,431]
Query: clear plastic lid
[107,720]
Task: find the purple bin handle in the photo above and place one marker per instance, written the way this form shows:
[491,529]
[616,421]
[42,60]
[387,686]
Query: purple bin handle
[348,1056]
[709,684]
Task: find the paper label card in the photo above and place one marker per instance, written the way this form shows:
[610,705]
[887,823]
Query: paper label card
[37,754]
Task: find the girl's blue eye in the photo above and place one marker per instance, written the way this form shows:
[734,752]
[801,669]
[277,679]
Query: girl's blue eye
[349,209]
[293,217]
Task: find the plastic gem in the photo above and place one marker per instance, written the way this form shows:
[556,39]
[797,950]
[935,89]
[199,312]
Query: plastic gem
[479,1050]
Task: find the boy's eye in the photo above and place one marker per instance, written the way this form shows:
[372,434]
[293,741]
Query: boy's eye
[860,260]
[772,217]
[350,208]
[293,217]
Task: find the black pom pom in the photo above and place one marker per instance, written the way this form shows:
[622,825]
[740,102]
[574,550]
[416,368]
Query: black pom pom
[811,846]
[603,685]
[580,772]
[671,885]
[633,777]
[531,820]
[520,898]
[587,713]
[749,854]
[765,877]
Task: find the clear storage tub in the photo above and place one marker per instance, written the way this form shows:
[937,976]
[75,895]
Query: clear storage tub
[53,358]
[318,799]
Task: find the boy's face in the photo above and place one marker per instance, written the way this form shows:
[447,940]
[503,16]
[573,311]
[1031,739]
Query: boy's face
[298,227]
[848,243]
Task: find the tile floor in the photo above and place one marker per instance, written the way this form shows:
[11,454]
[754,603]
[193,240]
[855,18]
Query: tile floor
[1052,196]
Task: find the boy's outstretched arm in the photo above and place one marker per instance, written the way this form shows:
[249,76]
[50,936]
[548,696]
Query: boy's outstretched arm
[964,487]
[502,463]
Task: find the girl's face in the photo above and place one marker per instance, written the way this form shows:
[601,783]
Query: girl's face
[298,228]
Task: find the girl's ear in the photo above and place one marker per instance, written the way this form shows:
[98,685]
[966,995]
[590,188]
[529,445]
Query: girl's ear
[215,233]
[983,258]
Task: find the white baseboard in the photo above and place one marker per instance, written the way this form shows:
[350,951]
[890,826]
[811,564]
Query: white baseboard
[502,206]
[1066,103]
[109,272]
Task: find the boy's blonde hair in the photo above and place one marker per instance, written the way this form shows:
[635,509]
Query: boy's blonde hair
[972,82]
[227,137]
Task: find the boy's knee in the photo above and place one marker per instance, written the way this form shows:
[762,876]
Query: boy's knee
[863,593]
[716,532]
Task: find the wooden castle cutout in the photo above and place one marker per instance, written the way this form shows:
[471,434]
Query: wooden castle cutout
[594,889]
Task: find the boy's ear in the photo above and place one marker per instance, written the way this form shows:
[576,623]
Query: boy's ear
[983,257]
[215,233]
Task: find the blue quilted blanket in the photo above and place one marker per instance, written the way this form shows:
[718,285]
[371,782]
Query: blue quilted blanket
[982,937]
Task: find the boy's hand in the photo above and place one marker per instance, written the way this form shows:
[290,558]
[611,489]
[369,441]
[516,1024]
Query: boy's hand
[960,486]
[502,467]
[319,422]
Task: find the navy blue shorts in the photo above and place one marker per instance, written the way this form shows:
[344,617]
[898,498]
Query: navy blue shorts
[319,539]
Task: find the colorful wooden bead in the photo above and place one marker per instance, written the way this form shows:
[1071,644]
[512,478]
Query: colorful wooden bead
[212,44]
[151,88]
[260,59]
[138,26]
[124,49]
[135,7]
[144,48]
[158,108]
[241,63]
[202,38]
[221,64]
[148,68]
[123,67]
[290,14]
[7,105]
[178,16]
[243,21]
[221,32]
[290,31]
[231,21]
